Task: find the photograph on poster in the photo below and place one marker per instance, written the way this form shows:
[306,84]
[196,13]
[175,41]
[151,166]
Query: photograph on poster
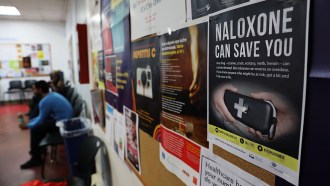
[183,57]
[98,107]
[101,69]
[132,138]
[146,83]
[110,73]
[257,83]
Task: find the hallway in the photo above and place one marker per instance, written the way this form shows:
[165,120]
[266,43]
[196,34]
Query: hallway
[14,148]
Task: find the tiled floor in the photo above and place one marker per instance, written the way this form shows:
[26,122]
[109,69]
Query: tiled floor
[14,148]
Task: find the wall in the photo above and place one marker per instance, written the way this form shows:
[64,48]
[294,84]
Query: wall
[78,14]
[37,32]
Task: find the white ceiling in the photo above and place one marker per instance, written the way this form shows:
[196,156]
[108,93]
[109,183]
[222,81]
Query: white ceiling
[37,10]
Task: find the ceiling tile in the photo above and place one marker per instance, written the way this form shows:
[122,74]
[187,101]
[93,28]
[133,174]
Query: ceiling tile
[47,10]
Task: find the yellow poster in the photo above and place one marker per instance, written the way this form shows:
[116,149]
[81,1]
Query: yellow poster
[40,54]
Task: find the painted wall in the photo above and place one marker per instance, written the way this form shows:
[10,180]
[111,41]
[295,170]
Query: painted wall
[78,13]
[36,32]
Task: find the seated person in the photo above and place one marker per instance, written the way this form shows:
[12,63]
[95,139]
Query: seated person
[57,81]
[33,111]
[52,107]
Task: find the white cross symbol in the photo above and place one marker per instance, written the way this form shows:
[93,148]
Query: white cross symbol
[240,107]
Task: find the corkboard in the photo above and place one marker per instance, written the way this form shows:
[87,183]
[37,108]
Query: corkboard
[153,171]
[258,172]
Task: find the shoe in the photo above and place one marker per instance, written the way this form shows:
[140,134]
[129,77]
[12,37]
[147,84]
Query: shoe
[33,162]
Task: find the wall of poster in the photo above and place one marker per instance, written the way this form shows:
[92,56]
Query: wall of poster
[183,58]
[146,83]
[247,63]
[257,72]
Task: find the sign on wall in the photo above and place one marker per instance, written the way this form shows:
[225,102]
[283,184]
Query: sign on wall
[19,60]
[257,76]
[152,16]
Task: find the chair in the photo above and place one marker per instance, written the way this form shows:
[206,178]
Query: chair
[55,138]
[15,87]
[28,86]
[85,164]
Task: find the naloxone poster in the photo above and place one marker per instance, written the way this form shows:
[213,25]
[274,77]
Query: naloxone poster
[183,81]
[146,83]
[257,74]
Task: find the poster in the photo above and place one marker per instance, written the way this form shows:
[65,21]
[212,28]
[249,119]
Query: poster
[94,24]
[95,70]
[183,58]
[180,156]
[119,11]
[105,27]
[200,8]
[109,124]
[217,171]
[151,16]
[123,73]
[132,139]
[46,51]
[98,107]
[101,69]
[116,43]
[146,83]
[140,19]
[110,73]
[257,76]
[119,130]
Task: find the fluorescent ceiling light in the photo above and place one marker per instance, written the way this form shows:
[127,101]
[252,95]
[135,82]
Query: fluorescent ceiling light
[9,10]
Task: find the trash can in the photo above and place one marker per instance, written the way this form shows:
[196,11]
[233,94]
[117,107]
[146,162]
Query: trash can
[74,131]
